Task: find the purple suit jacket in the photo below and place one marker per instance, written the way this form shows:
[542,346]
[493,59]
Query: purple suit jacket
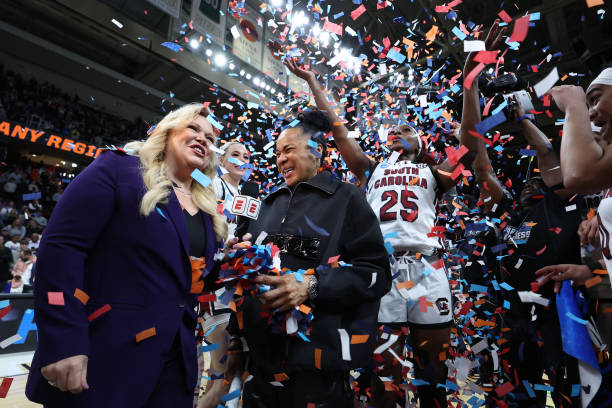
[97,241]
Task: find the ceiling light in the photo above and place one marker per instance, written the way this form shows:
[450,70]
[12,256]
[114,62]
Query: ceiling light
[231,65]
[248,76]
[208,52]
[220,60]
[242,72]
[299,19]
[256,81]
[267,87]
[194,44]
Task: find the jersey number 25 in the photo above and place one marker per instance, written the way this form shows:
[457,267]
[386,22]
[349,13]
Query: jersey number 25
[409,212]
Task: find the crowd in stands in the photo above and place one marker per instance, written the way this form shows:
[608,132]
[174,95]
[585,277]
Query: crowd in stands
[29,192]
[43,106]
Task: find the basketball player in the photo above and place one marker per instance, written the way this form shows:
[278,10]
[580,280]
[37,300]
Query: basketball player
[403,192]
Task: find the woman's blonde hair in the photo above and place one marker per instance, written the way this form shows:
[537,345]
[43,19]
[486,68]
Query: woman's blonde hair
[154,169]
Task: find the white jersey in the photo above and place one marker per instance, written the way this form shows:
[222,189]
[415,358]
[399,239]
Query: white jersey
[403,195]
[604,216]
[225,192]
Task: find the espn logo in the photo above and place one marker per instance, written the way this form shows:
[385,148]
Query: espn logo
[246,206]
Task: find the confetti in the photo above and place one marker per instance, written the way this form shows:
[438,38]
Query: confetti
[56,298]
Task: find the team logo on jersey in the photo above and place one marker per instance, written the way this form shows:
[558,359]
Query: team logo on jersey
[443,306]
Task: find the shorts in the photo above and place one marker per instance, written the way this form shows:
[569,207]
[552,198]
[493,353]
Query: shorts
[405,304]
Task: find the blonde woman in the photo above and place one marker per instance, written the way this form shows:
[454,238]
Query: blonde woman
[115,289]
[235,156]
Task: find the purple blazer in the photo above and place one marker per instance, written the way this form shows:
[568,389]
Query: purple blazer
[97,241]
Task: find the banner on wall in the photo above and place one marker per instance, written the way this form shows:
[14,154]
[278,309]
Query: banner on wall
[172,7]
[19,131]
[208,17]
[272,57]
[248,37]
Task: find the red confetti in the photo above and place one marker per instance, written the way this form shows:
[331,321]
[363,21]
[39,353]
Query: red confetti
[99,312]
[5,311]
[504,389]
[56,298]
[521,26]
[4,387]
[504,16]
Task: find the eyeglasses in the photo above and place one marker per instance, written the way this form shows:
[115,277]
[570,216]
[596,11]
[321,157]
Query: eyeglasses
[296,245]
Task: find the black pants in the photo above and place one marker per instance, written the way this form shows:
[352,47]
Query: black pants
[535,349]
[308,389]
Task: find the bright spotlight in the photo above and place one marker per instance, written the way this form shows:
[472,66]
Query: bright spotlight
[324,38]
[248,76]
[208,52]
[299,19]
[220,60]
[242,72]
[256,81]
[231,65]
[194,44]
[267,87]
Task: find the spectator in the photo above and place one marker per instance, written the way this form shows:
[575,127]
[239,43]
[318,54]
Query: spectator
[9,187]
[23,268]
[17,228]
[6,259]
[14,246]
[34,242]
[41,220]
[57,195]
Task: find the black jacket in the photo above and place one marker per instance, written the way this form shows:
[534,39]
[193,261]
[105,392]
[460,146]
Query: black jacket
[338,216]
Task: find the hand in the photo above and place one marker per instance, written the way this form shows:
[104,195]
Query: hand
[566,95]
[493,42]
[69,374]
[306,75]
[578,273]
[518,111]
[287,292]
[455,130]
[234,244]
[588,231]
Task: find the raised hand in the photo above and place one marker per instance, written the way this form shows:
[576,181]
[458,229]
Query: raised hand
[296,70]
[566,95]
[493,41]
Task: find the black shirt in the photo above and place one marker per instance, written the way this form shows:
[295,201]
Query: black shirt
[523,242]
[197,233]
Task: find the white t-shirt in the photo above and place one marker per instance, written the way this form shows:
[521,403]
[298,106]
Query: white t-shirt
[403,195]
[604,216]
[225,193]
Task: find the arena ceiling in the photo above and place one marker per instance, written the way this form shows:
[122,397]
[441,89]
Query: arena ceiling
[580,37]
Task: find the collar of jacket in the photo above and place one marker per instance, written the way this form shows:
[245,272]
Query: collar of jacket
[324,181]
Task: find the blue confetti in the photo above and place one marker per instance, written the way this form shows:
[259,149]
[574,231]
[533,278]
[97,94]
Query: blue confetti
[315,227]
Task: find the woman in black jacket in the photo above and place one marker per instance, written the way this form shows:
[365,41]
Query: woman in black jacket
[313,217]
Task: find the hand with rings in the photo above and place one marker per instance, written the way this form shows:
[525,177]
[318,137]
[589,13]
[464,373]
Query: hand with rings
[69,374]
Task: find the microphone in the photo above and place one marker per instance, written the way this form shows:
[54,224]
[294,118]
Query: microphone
[246,206]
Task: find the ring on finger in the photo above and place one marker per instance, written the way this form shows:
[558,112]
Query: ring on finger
[52,383]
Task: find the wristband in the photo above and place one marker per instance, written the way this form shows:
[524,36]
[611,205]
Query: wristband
[594,265]
[525,116]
